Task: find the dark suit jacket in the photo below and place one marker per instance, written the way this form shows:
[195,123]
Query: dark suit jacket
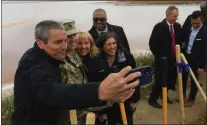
[198,51]
[161,45]
[161,42]
[121,37]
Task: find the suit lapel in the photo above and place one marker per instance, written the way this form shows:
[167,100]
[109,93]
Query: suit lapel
[110,28]
[199,33]
[198,36]
[166,28]
[175,28]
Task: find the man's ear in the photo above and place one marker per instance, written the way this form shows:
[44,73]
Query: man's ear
[40,43]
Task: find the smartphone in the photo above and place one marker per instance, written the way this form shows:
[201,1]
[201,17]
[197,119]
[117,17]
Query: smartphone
[146,77]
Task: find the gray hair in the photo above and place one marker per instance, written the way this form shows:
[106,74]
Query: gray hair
[42,28]
[100,10]
[203,5]
[170,9]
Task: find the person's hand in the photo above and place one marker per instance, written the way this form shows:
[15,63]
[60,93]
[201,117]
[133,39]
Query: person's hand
[115,87]
[199,70]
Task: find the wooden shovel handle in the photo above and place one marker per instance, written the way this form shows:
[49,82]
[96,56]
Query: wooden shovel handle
[194,78]
[123,113]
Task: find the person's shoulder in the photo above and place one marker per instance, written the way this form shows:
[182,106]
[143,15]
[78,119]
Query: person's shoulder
[177,24]
[205,19]
[91,30]
[115,26]
[189,16]
[31,58]
[158,25]
[204,28]
[28,56]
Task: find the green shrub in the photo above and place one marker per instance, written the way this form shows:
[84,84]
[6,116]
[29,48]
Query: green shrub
[144,59]
[7,109]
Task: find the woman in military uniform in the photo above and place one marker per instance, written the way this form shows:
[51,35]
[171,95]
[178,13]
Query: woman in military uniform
[72,70]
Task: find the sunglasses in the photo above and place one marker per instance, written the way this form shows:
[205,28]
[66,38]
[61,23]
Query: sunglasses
[99,19]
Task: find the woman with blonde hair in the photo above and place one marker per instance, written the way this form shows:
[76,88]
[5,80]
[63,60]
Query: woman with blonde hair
[89,53]
[87,49]
[86,45]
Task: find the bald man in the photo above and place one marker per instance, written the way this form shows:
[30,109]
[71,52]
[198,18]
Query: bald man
[100,25]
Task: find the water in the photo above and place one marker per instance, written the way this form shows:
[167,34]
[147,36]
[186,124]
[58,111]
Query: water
[20,18]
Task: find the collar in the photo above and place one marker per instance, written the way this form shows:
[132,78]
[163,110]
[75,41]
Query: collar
[169,23]
[120,56]
[193,29]
[44,55]
[105,30]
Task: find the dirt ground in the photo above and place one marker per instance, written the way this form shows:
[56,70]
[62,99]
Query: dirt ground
[146,114]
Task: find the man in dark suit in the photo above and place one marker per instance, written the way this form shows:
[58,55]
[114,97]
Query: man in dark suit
[100,25]
[164,37]
[194,51]
[187,23]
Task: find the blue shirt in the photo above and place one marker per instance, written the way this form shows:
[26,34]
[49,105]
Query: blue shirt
[192,37]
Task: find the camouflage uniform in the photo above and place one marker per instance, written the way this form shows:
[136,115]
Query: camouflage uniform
[73,71]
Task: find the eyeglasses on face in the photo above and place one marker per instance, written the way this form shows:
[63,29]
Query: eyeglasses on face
[96,19]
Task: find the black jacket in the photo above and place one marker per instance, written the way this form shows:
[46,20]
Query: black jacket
[198,51]
[39,94]
[121,37]
[98,69]
[161,42]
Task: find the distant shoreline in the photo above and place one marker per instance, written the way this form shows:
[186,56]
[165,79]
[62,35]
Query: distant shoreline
[161,1]
[124,1]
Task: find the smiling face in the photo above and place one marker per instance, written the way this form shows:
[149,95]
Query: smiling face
[196,23]
[173,16]
[56,45]
[83,46]
[99,20]
[110,47]
[72,42]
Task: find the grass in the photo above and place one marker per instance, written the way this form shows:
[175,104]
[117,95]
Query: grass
[7,102]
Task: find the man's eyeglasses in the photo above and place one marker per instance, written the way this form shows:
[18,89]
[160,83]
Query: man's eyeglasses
[99,19]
